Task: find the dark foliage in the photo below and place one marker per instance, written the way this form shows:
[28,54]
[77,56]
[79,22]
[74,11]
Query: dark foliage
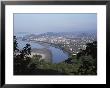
[15,44]
[89,64]
[91,49]
[86,60]
[21,59]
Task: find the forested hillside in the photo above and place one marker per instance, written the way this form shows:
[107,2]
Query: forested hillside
[83,63]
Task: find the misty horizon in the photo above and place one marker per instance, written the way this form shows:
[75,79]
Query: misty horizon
[45,22]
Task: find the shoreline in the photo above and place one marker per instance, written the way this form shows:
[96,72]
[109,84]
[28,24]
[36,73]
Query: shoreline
[50,55]
[52,45]
[45,53]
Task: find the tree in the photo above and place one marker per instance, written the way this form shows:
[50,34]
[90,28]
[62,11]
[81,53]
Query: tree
[86,60]
[87,66]
[35,62]
[91,49]
[22,59]
[25,51]
[15,44]
[89,59]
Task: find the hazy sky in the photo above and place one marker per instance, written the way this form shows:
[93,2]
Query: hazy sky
[41,23]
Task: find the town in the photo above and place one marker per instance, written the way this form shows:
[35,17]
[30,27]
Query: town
[68,42]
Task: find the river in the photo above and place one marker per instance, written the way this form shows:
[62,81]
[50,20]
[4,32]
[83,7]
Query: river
[58,55]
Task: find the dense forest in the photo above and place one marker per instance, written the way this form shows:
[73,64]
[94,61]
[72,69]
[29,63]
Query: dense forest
[84,63]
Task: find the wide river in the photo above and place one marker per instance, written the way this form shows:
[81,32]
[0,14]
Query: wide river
[58,55]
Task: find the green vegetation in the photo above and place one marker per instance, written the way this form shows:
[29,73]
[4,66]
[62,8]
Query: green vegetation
[84,63]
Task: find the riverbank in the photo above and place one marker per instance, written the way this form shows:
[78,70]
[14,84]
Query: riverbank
[46,54]
[53,45]
[58,55]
